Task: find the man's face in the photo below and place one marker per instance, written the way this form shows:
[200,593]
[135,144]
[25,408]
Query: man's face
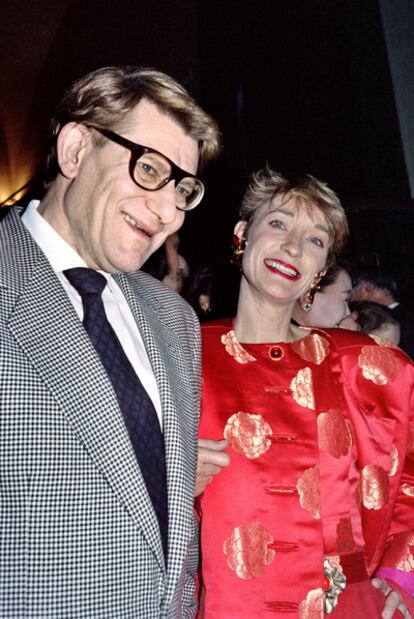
[111,222]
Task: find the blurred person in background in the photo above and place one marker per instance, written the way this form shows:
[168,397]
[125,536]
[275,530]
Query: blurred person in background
[167,265]
[377,320]
[329,307]
[199,291]
[378,286]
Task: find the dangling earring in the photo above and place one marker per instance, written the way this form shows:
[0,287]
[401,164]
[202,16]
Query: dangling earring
[307,301]
[238,246]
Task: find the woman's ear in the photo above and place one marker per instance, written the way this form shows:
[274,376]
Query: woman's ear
[70,148]
[240,229]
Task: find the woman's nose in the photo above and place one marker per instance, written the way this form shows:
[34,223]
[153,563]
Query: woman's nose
[292,245]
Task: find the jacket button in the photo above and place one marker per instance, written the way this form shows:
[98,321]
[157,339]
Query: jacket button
[275,353]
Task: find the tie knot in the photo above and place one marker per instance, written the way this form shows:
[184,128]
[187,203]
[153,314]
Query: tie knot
[86,281]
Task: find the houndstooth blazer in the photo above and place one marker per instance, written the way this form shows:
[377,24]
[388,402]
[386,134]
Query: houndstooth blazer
[79,536]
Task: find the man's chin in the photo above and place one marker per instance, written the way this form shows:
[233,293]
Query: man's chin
[125,264]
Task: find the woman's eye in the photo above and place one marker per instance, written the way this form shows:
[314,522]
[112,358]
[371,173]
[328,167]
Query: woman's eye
[276,223]
[317,242]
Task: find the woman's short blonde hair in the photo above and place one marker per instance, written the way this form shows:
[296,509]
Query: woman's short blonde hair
[266,184]
[103,97]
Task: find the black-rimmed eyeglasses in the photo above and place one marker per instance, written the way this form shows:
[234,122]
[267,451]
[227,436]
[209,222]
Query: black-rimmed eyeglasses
[151,170]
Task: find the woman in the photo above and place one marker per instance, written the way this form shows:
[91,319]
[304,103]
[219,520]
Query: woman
[330,303]
[316,498]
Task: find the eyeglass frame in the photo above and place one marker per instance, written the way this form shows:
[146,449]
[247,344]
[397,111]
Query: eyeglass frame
[137,150]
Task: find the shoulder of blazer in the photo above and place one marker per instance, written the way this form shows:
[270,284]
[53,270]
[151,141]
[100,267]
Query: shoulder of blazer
[165,303]
[18,251]
[162,314]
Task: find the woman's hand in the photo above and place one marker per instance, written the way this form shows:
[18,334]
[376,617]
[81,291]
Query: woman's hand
[393,600]
[211,459]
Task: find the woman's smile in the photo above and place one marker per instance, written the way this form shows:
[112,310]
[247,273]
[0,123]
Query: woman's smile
[282,268]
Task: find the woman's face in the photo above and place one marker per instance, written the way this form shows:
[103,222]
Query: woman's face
[330,307]
[287,245]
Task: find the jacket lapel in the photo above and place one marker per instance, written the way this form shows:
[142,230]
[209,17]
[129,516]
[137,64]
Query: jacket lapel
[64,357]
[166,357]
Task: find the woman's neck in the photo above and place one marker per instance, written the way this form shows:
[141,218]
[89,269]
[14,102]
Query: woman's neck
[260,320]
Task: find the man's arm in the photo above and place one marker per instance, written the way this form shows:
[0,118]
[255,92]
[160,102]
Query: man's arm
[189,599]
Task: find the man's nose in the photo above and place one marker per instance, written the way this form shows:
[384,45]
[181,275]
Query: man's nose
[163,203]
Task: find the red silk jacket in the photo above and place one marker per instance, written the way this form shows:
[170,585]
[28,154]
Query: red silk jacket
[321,480]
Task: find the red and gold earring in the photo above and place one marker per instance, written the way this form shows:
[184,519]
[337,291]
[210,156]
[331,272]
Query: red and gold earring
[238,246]
[306,301]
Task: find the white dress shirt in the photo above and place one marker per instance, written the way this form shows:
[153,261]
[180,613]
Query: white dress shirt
[61,256]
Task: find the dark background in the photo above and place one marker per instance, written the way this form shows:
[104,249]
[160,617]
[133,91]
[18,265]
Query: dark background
[302,84]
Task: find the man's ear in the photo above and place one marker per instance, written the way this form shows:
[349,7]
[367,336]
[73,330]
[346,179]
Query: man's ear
[70,147]
[240,229]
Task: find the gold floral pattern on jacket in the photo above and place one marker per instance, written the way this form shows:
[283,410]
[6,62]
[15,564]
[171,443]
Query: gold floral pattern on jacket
[334,434]
[248,434]
[313,348]
[247,550]
[375,485]
[395,461]
[400,552]
[344,536]
[302,389]
[312,606]
[378,364]
[408,489]
[308,488]
[235,349]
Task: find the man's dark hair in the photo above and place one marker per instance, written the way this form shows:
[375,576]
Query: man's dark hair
[377,278]
[103,97]
[372,316]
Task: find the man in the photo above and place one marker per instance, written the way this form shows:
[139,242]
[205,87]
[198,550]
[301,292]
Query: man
[99,420]
[379,287]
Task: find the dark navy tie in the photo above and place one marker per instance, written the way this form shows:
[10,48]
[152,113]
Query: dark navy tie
[137,408]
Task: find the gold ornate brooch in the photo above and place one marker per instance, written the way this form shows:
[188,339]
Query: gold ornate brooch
[334,584]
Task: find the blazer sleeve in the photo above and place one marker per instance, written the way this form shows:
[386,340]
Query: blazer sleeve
[189,593]
[189,598]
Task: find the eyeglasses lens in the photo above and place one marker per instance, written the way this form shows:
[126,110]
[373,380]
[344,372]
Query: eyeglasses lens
[152,171]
